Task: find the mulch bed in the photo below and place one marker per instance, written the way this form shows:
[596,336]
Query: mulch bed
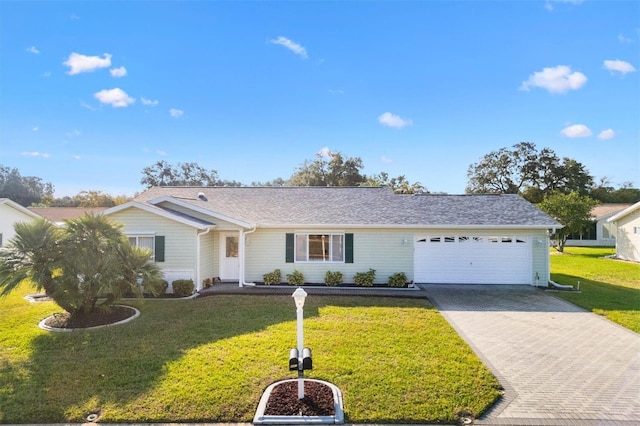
[65,320]
[317,401]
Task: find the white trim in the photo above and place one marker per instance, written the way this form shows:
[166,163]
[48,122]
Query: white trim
[9,202]
[624,212]
[416,226]
[201,210]
[157,211]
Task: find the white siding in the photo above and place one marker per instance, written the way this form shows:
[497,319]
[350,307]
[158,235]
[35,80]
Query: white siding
[628,241]
[382,250]
[208,256]
[8,218]
[180,240]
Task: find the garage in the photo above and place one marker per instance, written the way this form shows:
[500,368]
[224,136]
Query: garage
[472,259]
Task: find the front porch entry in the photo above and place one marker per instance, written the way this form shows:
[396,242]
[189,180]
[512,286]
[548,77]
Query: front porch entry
[229,256]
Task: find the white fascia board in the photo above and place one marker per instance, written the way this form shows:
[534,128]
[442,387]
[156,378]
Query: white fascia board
[19,208]
[396,226]
[624,212]
[202,210]
[157,211]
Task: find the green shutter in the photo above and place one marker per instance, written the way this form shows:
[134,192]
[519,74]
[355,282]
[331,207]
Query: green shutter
[348,248]
[159,248]
[289,251]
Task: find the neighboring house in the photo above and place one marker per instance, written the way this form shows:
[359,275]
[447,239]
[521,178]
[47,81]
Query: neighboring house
[601,232]
[628,233]
[58,215]
[10,214]
[239,234]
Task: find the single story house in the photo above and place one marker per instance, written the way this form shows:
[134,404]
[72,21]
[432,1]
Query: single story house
[10,214]
[239,234]
[601,232]
[628,233]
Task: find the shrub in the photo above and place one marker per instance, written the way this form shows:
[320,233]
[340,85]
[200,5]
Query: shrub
[183,288]
[333,278]
[157,288]
[272,278]
[399,279]
[365,279]
[207,282]
[295,278]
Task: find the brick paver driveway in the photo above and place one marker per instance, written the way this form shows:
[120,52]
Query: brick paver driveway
[558,363]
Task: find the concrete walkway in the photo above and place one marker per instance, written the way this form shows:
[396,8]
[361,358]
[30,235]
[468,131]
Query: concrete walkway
[559,364]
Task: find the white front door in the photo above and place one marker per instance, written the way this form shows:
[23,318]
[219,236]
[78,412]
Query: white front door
[229,260]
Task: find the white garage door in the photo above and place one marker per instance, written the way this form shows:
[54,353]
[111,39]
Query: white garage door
[469,259]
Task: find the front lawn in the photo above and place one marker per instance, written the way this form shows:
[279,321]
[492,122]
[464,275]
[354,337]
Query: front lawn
[609,287]
[209,360]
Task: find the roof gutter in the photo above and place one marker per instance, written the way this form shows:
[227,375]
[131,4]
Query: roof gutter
[243,234]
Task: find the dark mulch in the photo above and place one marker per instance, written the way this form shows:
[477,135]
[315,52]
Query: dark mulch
[317,401]
[65,320]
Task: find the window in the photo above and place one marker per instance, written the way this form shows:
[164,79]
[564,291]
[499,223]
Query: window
[435,239]
[449,239]
[155,243]
[319,247]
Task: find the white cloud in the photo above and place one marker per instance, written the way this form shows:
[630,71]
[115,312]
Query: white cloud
[176,113]
[292,46]
[33,50]
[74,17]
[623,39]
[81,63]
[35,154]
[325,153]
[117,98]
[622,67]
[576,131]
[46,74]
[386,159]
[35,128]
[148,102]
[162,153]
[607,134]
[83,104]
[392,120]
[549,3]
[118,72]
[76,157]
[555,79]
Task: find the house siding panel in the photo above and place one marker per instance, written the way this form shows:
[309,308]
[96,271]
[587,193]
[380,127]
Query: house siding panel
[8,218]
[382,250]
[628,241]
[208,256]
[180,245]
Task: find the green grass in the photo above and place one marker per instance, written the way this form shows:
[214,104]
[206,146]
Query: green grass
[609,287]
[210,359]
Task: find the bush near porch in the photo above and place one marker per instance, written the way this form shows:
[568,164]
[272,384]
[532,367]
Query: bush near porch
[609,287]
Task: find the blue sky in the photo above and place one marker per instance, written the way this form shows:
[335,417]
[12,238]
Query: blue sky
[92,92]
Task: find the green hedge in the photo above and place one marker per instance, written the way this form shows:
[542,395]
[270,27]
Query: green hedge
[183,288]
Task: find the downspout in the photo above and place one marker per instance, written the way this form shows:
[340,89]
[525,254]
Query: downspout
[198,275]
[242,257]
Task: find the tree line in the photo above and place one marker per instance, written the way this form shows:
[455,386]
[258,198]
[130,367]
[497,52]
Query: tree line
[521,169]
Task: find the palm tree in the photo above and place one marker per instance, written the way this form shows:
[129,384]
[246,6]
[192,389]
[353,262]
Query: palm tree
[84,266]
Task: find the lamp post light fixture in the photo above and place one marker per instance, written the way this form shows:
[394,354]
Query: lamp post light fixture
[300,358]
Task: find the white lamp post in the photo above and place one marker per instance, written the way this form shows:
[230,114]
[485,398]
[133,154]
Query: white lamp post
[298,296]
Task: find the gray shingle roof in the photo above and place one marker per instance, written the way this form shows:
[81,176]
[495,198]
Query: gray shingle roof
[348,206]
